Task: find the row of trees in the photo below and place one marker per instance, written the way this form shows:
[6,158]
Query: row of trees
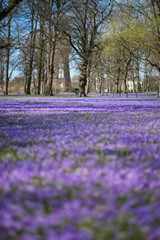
[41,24]
[116,40]
[132,44]
[32,39]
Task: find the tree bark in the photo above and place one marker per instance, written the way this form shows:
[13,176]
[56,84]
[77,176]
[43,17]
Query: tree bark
[7,55]
[50,73]
[51,45]
[1,74]
[52,32]
[117,79]
[40,56]
[159,83]
[88,78]
[137,76]
[82,84]
[31,53]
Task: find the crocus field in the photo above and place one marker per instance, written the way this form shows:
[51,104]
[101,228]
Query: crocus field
[79,168]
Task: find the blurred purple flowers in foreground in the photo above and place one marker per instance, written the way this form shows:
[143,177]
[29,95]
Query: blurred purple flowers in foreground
[79,169]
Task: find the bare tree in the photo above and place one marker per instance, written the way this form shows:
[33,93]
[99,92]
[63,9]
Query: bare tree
[2,60]
[31,49]
[55,12]
[84,22]
[40,53]
[7,55]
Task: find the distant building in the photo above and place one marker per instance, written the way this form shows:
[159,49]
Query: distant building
[75,82]
[16,85]
[62,80]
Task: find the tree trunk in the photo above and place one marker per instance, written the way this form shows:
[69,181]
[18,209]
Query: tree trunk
[51,47]
[30,69]
[31,53]
[99,82]
[117,79]
[39,74]
[137,76]
[40,57]
[88,78]
[1,77]
[50,73]
[83,78]
[82,85]
[145,77]
[125,84]
[7,55]
[159,83]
